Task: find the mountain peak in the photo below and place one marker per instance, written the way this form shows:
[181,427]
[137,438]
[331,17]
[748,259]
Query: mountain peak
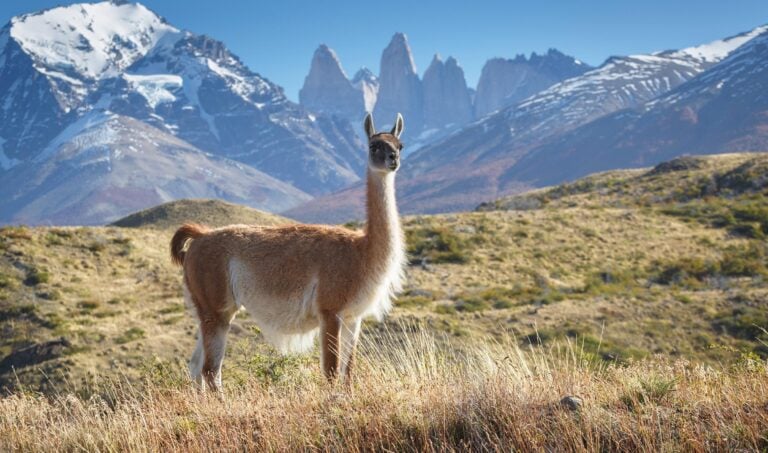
[327,88]
[504,82]
[400,87]
[325,58]
[368,84]
[398,53]
[363,74]
[399,38]
[446,98]
[89,41]
[715,51]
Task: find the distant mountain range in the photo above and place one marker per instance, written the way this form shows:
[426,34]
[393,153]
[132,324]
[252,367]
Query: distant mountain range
[436,104]
[629,112]
[107,108]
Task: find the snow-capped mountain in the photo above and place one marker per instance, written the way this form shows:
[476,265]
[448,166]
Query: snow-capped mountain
[722,110]
[504,82]
[63,64]
[632,110]
[499,140]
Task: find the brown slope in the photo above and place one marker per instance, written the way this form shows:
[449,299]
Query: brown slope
[213,213]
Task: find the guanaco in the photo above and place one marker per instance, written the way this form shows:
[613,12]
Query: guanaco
[298,279]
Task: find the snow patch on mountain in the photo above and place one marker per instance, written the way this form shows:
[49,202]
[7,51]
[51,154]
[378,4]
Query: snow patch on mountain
[156,89]
[242,86]
[748,60]
[717,50]
[6,163]
[95,41]
[76,132]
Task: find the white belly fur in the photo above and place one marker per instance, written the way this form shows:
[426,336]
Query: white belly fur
[289,325]
[292,325]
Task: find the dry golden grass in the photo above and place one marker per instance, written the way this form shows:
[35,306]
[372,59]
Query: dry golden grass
[642,294]
[413,393]
[584,266]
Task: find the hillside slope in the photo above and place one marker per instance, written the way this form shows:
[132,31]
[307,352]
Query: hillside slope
[106,166]
[669,260]
[214,213]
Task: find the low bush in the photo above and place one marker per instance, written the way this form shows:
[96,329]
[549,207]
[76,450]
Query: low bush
[436,245]
[132,334]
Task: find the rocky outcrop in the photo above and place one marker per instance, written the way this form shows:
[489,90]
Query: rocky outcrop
[631,111]
[368,84]
[504,82]
[446,97]
[399,87]
[328,90]
[34,354]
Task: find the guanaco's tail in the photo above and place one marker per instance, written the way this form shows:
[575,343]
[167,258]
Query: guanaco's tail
[187,232]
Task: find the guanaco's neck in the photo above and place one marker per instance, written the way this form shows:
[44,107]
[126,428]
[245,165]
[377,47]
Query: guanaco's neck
[384,237]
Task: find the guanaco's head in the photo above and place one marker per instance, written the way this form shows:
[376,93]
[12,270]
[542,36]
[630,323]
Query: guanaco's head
[384,147]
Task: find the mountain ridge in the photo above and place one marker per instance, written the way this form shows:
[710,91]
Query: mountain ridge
[62,64]
[475,163]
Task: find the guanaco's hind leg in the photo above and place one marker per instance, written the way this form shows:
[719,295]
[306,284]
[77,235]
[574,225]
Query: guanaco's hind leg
[330,327]
[214,334]
[350,332]
[196,362]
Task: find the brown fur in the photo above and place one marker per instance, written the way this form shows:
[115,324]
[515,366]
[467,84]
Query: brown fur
[185,233]
[285,262]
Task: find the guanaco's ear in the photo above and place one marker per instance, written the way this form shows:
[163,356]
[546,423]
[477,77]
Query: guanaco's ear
[370,130]
[397,129]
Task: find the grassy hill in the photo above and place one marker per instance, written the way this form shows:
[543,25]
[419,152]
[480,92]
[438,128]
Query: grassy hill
[213,213]
[625,272]
[669,260]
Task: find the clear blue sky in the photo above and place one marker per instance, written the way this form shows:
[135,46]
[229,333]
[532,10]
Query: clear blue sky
[277,38]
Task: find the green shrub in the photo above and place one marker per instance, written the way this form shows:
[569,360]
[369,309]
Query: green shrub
[747,230]
[97,246]
[503,304]
[37,276]
[445,309]
[747,323]
[15,312]
[651,391]
[610,281]
[16,232]
[687,268]
[88,306]
[436,245]
[413,301]
[7,281]
[747,261]
[173,308]
[132,334]
[472,304]
[751,211]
